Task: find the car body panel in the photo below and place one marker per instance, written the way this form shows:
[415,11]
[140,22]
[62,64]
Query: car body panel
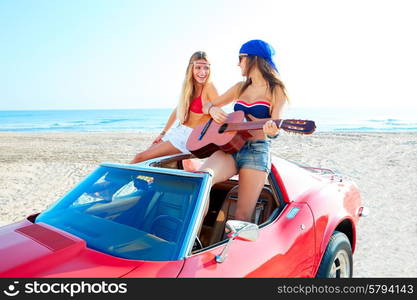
[330,214]
[332,200]
[284,248]
[290,245]
[295,180]
[31,255]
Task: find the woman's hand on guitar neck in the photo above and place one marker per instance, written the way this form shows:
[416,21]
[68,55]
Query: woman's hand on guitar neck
[270,128]
[218,115]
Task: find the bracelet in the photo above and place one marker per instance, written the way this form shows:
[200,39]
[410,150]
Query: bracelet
[163,132]
[273,137]
[208,111]
[211,106]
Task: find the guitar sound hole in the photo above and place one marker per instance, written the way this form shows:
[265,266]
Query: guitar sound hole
[222,128]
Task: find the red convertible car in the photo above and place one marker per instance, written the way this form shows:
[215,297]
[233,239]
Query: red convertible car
[161,218]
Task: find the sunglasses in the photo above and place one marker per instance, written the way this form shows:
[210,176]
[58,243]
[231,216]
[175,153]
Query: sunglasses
[241,56]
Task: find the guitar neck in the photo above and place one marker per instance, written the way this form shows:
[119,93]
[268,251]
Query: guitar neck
[252,125]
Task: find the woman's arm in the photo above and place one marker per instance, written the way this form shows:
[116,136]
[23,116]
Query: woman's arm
[210,93]
[172,118]
[278,103]
[230,95]
[212,108]
[224,99]
[270,128]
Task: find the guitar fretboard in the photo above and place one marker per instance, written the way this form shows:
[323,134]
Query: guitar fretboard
[252,125]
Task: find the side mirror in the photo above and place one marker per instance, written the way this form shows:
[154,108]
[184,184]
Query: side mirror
[363,211]
[243,230]
[238,230]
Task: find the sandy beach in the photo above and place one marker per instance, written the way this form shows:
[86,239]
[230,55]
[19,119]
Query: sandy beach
[38,168]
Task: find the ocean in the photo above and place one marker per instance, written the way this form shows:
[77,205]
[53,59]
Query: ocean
[153,120]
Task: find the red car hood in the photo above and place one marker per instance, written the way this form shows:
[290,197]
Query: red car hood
[40,250]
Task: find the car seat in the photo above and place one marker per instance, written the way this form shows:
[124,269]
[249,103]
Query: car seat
[265,205]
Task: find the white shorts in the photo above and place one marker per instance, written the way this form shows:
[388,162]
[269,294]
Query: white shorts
[178,137]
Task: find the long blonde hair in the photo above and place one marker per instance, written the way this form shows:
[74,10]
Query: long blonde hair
[268,73]
[188,86]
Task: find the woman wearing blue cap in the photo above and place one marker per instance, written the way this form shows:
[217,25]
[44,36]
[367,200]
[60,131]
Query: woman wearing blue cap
[197,90]
[261,96]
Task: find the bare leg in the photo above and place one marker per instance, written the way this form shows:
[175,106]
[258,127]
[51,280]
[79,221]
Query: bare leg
[251,183]
[152,146]
[157,150]
[221,165]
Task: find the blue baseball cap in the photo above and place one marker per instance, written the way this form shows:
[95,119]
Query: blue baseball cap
[261,49]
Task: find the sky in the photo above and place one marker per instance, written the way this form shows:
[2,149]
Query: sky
[129,54]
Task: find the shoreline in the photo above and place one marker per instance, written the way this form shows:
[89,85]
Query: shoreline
[139,131]
[39,167]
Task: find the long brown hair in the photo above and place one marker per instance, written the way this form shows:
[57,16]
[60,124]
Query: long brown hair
[268,73]
[188,86]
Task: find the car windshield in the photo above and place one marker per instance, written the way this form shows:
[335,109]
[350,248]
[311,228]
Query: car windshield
[128,213]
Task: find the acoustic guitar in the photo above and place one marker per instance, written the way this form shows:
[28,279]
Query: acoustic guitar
[230,136]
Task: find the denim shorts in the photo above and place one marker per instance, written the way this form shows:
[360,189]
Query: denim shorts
[254,155]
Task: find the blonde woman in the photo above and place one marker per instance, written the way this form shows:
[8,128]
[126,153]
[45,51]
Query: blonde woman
[262,97]
[197,91]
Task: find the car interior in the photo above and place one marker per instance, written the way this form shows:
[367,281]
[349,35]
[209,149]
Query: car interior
[223,200]
[160,222]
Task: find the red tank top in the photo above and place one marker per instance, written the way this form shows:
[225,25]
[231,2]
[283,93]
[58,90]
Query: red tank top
[196,105]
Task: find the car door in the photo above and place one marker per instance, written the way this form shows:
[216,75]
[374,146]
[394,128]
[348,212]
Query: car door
[285,248]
